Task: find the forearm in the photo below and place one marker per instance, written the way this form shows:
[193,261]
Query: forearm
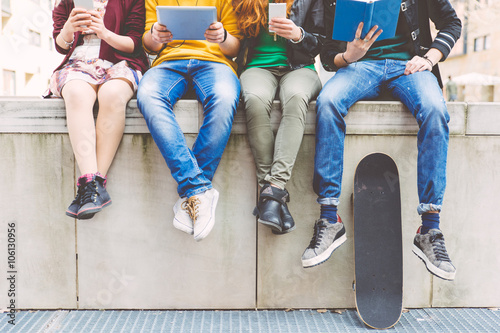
[434,55]
[230,46]
[65,39]
[150,44]
[121,43]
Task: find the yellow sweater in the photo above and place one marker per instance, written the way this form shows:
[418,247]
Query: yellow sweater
[195,49]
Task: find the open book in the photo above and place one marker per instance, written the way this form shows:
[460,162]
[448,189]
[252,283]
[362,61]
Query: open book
[349,13]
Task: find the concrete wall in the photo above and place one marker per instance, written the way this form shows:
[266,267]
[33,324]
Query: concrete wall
[130,256]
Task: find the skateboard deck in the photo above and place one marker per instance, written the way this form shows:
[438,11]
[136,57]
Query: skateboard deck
[378,258]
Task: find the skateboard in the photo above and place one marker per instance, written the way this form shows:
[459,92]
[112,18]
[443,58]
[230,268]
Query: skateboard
[378,258]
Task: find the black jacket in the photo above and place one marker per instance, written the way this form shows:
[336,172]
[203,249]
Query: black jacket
[307,14]
[417,14]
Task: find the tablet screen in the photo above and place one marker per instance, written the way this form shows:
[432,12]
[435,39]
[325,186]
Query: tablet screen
[187,22]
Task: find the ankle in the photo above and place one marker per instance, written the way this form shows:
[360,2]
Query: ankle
[429,221]
[329,213]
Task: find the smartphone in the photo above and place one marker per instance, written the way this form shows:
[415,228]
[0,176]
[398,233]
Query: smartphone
[276,10]
[85,4]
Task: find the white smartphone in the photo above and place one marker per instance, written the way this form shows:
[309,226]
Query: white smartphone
[85,4]
[276,10]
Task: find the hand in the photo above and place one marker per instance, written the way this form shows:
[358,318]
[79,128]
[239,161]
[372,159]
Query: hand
[215,33]
[97,25]
[160,34]
[285,28]
[358,47]
[417,64]
[78,20]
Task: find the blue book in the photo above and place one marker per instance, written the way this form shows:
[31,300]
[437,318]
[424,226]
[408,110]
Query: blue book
[349,13]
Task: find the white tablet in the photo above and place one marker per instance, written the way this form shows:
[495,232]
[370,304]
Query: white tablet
[187,22]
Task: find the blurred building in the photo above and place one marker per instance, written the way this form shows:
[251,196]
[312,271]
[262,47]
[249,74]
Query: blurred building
[474,63]
[27,52]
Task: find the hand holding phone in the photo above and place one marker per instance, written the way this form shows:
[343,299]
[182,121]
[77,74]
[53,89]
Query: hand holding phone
[276,10]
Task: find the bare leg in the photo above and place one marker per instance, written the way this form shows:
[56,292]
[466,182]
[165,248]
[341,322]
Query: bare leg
[113,97]
[79,98]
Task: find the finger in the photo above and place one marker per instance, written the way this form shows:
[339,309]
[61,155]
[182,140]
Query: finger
[370,33]
[357,35]
[215,26]
[374,37]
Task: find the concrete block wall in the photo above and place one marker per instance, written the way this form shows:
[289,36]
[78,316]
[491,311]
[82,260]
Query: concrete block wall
[130,256]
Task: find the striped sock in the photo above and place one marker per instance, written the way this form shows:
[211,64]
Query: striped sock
[329,212]
[429,221]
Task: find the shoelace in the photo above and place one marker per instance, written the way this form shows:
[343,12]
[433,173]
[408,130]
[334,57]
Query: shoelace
[437,241]
[79,194]
[318,234]
[191,206]
[89,193]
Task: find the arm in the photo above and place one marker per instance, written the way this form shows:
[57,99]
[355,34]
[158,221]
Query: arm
[229,45]
[67,21]
[445,18]
[448,25]
[120,43]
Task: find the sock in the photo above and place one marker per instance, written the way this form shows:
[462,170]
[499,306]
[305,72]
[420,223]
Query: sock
[429,221]
[85,178]
[329,212]
[102,176]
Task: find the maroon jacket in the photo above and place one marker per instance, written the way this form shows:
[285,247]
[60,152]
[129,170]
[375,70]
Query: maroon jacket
[123,17]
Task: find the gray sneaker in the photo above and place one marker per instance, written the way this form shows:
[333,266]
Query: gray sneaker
[431,249]
[201,209]
[182,220]
[327,237]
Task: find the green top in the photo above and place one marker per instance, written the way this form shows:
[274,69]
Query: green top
[268,52]
[397,47]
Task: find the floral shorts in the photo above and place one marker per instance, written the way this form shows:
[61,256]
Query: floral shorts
[95,71]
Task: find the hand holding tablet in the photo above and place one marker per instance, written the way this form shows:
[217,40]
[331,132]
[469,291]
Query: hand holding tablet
[187,22]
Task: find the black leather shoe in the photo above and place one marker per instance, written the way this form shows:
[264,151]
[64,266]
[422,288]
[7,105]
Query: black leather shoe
[268,208]
[287,222]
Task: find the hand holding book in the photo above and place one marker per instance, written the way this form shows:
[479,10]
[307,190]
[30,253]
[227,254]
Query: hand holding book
[349,13]
[359,46]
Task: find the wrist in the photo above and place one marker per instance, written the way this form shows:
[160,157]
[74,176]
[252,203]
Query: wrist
[301,37]
[428,60]
[68,41]
[225,36]
[345,60]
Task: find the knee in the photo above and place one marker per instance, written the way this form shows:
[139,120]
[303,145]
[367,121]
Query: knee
[327,105]
[255,106]
[433,113]
[115,100]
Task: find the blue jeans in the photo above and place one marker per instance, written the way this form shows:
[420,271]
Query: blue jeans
[218,89]
[420,92]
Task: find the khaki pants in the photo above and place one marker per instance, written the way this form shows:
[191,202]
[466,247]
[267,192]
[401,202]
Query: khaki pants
[275,157]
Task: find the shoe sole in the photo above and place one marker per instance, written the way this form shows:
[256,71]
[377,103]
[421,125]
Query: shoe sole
[284,231]
[449,276]
[89,213]
[71,214]
[321,258]
[271,225]
[204,233]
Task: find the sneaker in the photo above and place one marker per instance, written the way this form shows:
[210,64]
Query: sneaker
[327,237]
[73,208]
[94,198]
[182,220]
[431,249]
[201,209]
